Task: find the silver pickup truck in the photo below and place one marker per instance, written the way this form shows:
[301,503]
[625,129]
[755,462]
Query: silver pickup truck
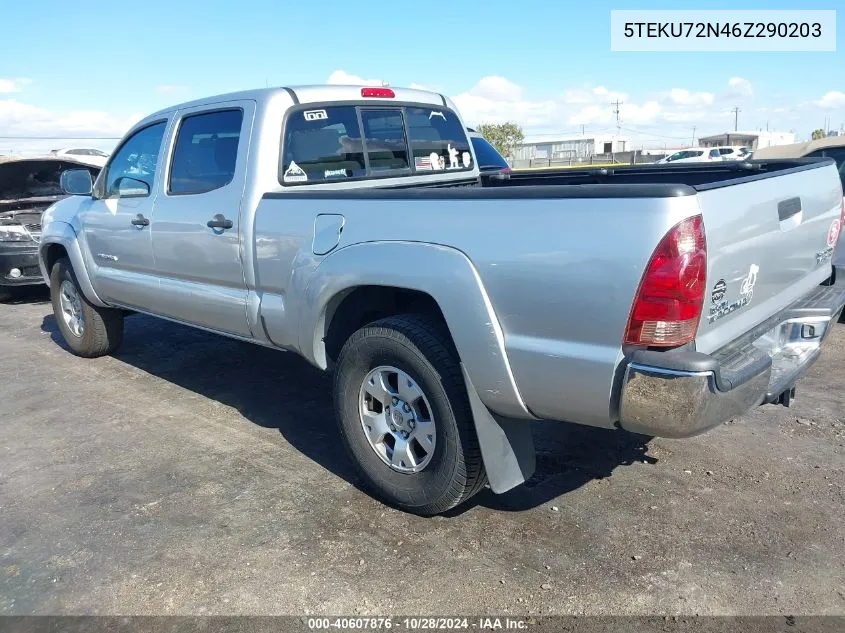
[350,225]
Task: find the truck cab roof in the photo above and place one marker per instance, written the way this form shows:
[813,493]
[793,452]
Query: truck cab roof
[309,94]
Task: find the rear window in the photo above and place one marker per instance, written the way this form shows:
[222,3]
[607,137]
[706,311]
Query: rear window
[726,150]
[337,143]
[486,154]
[322,144]
[384,131]
[714,153]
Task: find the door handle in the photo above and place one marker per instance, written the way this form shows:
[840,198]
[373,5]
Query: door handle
[219,222]
[140,220]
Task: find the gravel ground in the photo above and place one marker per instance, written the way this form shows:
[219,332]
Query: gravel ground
[191,474]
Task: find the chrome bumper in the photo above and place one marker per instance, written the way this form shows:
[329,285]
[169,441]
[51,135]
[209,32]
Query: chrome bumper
[680,393]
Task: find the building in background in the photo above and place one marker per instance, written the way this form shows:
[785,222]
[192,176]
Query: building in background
[751,140]
[570,147]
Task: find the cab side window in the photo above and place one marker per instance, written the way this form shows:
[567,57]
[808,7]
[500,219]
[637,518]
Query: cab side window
[131,172]
[205,152]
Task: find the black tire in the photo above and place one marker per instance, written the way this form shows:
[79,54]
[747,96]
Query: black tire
[103,327]
[418,346]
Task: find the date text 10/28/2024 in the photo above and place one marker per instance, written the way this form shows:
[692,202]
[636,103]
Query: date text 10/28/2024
[419,624]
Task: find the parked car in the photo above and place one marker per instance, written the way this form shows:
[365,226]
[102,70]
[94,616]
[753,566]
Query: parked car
[490,161]
[693,155]
[829,147]
[349,225]
[730,152]
[87,155]
[27,187]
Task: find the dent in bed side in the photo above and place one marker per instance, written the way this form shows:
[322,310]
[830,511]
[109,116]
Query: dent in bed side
[61,234]
[443,273]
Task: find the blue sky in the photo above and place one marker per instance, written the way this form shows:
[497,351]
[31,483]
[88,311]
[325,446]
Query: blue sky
[94,67]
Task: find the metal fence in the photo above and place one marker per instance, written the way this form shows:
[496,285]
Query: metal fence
[619,158]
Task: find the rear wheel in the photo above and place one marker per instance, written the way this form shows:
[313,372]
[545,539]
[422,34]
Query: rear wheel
[404,415]
[88,330]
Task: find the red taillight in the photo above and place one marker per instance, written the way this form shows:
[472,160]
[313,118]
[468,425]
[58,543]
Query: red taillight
[670,298]
[379,93]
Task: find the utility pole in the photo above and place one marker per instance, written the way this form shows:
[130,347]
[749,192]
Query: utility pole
[582,129]
[616,105]
[692,144]
[736,112]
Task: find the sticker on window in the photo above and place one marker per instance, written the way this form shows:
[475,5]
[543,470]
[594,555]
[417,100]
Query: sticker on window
[423,162]
[332,173]
[295,173]
[435,113]
[315,115]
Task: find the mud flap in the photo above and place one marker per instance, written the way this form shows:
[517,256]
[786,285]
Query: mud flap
[507,446]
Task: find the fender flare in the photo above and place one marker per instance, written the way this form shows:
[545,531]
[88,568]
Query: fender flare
[502,420]
[62,234]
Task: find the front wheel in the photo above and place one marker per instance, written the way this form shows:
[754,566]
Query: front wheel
[88,330]
[405,417]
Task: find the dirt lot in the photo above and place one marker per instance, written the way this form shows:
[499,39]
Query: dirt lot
[191,474]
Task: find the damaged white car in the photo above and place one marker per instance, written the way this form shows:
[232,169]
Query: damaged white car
[27,187]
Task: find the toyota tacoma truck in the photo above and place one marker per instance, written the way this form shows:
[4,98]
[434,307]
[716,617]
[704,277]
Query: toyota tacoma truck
[349,225]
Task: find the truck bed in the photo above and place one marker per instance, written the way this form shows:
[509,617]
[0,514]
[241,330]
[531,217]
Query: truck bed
[561,264]
[699,176]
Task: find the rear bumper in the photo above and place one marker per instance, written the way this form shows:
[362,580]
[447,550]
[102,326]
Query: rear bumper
[19,264]
[683,393]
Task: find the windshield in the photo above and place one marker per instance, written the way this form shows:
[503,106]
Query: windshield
[486,154]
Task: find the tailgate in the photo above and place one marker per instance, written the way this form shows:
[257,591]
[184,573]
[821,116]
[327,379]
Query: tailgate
[768,243]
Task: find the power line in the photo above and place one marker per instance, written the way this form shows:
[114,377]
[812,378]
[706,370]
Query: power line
[616,104]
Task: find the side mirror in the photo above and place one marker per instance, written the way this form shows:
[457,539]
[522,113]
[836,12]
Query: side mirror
[126,187]
[76,182]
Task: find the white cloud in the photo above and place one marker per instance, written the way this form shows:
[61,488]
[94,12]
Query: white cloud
[32,123]
[739,87]
[341,77]
[583,96]
[832,99]
[682,96]
[13,85]
[495,99]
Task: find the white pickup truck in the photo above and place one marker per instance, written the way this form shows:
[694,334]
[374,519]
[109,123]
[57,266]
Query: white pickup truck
[350,225]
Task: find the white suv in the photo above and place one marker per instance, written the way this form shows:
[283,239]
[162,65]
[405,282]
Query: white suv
[693,155]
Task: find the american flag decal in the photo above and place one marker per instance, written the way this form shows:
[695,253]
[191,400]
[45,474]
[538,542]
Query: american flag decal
[422,162]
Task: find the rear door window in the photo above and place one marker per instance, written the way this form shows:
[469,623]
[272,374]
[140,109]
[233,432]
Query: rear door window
[206,152]
[714,153]
[322,145]
[438,140]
